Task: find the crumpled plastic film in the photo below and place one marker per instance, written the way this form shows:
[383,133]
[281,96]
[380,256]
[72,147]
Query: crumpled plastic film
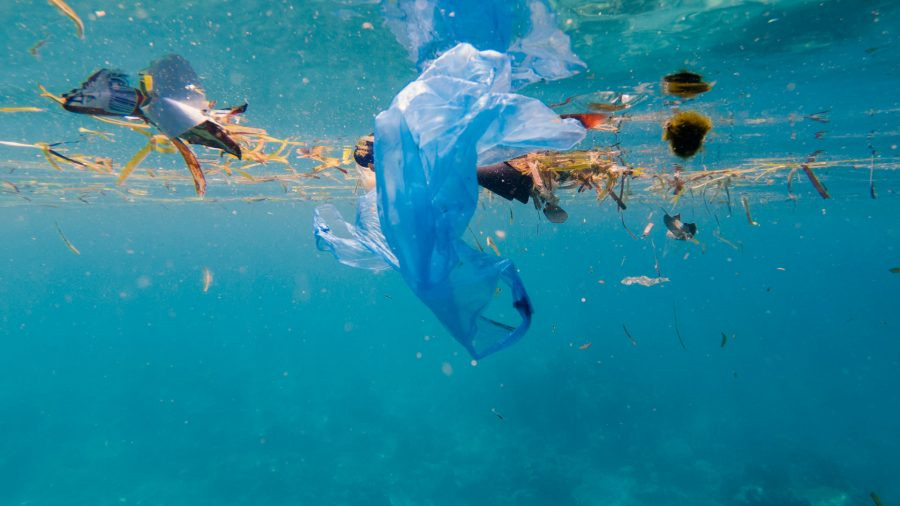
[361,245]
[525,29]
[457,114]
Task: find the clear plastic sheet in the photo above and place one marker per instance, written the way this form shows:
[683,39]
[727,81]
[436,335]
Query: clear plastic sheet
[524,29]
[361,245]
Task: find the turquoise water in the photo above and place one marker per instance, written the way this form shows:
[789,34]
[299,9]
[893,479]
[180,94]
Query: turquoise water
[296,380]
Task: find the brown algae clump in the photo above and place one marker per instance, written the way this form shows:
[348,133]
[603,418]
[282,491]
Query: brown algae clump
[685,84]
[685,132]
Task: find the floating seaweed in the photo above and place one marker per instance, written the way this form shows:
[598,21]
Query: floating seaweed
[875,499]
[66,240]
[685,84]
[746,203]
[69,13]
[677,331]
[491,244]
[819,117]
[685,132]
[21,109]
[628,335]
[600,106]
[823,192]
[33,50]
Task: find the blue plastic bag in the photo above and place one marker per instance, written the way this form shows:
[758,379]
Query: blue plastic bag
[456,115]
[524,29]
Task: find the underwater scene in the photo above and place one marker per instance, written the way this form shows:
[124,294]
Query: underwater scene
[437,252]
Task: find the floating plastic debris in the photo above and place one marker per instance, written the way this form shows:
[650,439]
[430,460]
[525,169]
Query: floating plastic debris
[457,115]
[643,280]
[170,98]
[524,29]
[677,229]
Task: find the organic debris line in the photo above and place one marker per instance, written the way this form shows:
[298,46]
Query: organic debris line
[305,170]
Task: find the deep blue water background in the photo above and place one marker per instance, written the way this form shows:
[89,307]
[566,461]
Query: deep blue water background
[295,380]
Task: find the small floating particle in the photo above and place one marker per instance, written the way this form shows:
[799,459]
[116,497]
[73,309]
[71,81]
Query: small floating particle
[628,335]
[585,345]
[368,26]
[599,106]
[490,242]
[875,499]
[647,229]
[819,117]
[33,50]
[207,279]
[65,239]
[677,331]
[780,269]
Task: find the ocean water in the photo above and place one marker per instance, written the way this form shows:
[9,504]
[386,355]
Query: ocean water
[764,372]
